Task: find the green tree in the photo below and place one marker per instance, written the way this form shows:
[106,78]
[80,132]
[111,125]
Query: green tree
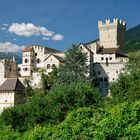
[127,86]
[49,80]
[75,67]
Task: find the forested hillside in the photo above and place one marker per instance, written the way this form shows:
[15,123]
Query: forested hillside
[70,108]
[132,39]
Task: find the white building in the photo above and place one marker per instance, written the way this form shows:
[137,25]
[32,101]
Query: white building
[36,58]
[108,58]
[104,56]
[12,92]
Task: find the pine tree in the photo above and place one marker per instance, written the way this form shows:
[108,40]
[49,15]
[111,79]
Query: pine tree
[75,67]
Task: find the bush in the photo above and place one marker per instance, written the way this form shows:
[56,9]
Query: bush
[51,108]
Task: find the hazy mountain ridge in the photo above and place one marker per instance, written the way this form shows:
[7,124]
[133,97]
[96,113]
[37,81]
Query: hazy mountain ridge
[10,55]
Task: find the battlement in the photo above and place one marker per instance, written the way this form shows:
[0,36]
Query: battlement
[115,21]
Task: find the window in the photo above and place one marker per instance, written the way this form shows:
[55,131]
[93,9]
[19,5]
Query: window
[107,61]
[101,79]
[105,79]
[102,58]
[26,60]
[19,69]
[116,71]
[99,72]
[38,60]
[110,58]
[48,66]
[35,54]
[25,69]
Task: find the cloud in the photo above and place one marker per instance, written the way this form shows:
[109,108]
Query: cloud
[57,37]
[28,30]
[5,24]
[3,28]
[9,47]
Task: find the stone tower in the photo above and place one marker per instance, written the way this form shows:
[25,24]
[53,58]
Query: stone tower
[111,34]
[28,61]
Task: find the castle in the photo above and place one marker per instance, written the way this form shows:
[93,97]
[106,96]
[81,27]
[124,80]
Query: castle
[104,56]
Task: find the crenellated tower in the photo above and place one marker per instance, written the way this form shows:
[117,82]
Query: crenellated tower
[112,34]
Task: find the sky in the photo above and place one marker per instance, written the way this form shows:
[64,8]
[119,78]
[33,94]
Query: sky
[59,23]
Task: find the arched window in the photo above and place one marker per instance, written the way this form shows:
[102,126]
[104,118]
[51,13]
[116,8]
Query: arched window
[48,66]
[25,69]
[101,79]
[26,60]
[105,79]
[38,60]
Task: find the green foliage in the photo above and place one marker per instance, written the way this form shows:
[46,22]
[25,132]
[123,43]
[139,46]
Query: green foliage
[50,108]
[29,90]
[118,121]
[74,68]
[132,46]
[122,121]
[127,88]
[50,79]
[7,133]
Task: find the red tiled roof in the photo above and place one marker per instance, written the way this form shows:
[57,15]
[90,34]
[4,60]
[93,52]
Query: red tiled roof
[28,49]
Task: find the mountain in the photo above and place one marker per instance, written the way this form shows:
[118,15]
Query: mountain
[132,37]
[133,33]
[10,55]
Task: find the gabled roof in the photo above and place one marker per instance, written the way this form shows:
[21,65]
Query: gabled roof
[85,47]
[12,84]
[57,57]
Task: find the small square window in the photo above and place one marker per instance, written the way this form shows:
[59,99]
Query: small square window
[102,58]
[110,58]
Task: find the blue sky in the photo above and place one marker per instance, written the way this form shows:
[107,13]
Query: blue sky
[59,23]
